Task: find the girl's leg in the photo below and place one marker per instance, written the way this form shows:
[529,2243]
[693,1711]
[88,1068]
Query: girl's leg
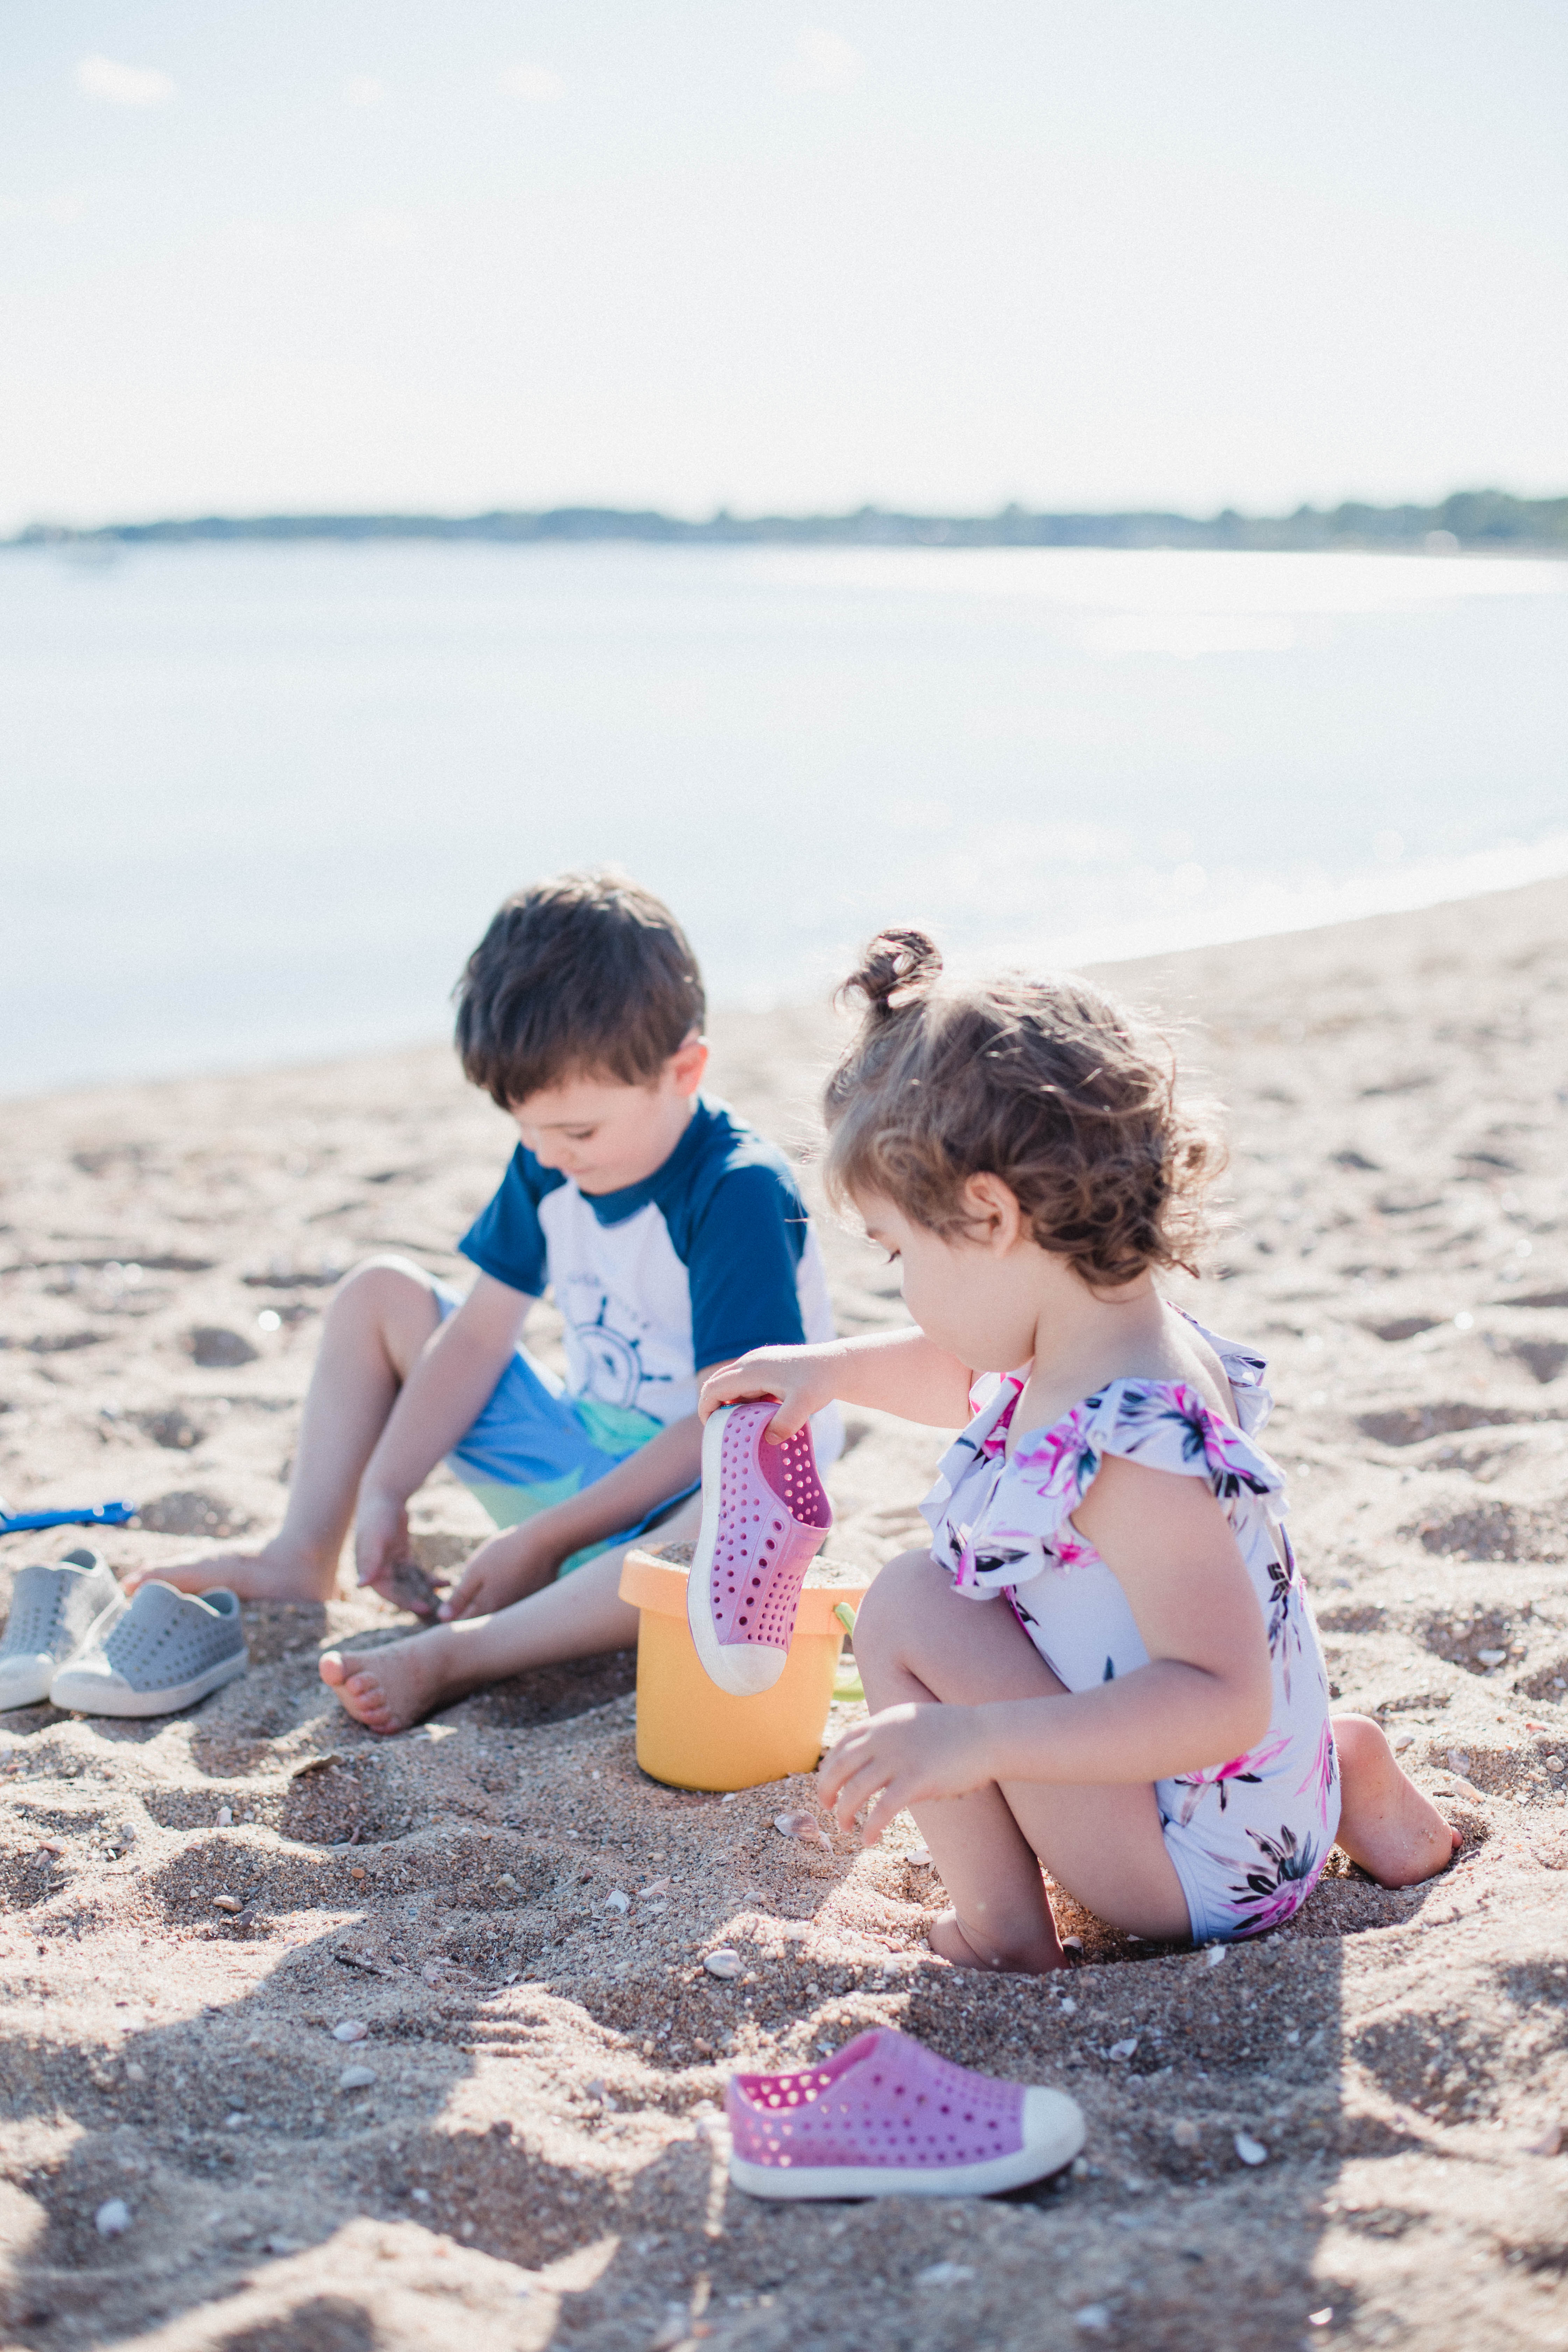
[376,1327]
[918,1640]
[1396,1834]
[578,1616]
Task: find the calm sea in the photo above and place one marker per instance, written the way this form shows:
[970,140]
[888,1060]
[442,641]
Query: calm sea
[258,802]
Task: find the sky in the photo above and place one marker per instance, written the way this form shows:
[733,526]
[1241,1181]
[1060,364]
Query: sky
[277,256]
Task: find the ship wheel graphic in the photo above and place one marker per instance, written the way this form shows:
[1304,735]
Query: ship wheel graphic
[615,1366]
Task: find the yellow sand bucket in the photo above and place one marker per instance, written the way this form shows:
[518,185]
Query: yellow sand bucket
[692,1735]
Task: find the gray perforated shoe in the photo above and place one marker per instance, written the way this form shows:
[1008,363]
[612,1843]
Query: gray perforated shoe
[54,1611]
[164,1651]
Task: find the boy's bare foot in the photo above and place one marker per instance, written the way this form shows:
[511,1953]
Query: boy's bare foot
[388,1689]
[273,1573]
[1396,1833]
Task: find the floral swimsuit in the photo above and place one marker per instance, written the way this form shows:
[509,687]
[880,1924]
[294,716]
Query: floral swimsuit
[1249,1838]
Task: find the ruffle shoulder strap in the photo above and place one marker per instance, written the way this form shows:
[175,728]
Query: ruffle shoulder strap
[1162,1424]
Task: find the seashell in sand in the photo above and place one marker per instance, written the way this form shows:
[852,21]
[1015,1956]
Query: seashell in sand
[1401,1740]
[922,1858]
[112,2217]
[723,1963]
[1549,2144]
[226,1817]
[1251,2151]
[1123,2049]
[617,1900]
[351,2030]
[356,2078]
[800,1825]
[1460,1762]
[230,1902]
[1184,2132]
[654,1886]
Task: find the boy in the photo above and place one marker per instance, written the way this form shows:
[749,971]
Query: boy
[673,1239]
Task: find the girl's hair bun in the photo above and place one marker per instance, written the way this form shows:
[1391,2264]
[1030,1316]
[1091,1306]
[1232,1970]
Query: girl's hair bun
[897,968]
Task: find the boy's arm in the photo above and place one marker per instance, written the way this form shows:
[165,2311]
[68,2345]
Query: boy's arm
[444,1395]
[519,1560]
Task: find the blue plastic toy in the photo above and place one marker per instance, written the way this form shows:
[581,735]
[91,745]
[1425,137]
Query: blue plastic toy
[102,1515]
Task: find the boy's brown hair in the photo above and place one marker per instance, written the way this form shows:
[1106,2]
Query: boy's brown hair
[585,975]
[1044,1083]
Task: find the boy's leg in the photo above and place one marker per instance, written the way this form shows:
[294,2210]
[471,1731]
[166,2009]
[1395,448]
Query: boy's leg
[1396,1833]
[918,1641]
[578,1616]
[380,1319]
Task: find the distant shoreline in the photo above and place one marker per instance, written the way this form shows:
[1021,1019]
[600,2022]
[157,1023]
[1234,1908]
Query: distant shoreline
[1469,521]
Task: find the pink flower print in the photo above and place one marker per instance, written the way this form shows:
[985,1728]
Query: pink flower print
[1275,1889]
[1219,1776]
[1061,1460]
[999,1556]
[995,1438]
[1320,1772]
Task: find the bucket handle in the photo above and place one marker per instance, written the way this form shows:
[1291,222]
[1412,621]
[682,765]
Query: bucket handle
[846,1616]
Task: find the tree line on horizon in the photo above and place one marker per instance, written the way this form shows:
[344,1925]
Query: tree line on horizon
[1468,519]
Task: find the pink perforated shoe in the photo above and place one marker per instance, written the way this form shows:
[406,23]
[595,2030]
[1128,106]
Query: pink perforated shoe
[887,2118]
[764,1519]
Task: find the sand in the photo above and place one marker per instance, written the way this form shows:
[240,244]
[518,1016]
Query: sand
[536,2157]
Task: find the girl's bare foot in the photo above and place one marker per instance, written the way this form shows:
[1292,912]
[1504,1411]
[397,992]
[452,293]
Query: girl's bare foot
[388,1689]
[949,1942]
[275,1572]
[1386,1825]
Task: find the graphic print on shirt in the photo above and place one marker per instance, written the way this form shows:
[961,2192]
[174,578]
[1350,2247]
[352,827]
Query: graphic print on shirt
[618,1350]
[613,1362]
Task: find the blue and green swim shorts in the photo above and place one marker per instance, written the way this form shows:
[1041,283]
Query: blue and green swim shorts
[533,1445]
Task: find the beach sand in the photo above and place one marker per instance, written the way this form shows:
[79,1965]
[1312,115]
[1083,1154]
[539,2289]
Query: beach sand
[535,2159]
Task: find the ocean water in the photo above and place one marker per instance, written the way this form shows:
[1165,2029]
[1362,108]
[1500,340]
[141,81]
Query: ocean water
[257,803]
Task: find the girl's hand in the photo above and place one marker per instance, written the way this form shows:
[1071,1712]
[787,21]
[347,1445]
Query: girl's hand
[505,1568]
[803,1379]
[902,1756]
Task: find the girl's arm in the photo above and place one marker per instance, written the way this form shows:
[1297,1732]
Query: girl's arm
[893,1371]
[1205,1698]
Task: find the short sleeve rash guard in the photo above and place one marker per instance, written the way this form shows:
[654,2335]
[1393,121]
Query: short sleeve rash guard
[709,1255]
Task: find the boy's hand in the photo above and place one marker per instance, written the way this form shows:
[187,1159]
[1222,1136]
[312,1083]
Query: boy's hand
[803,1379]
[505,1569]
[381,1541]
[902,1756]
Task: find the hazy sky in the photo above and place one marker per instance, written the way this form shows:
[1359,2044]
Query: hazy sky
[279,253]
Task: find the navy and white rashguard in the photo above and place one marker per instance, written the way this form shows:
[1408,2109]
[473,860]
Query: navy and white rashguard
[711,1255]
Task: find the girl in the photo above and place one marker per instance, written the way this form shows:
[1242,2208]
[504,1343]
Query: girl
[1139,1701]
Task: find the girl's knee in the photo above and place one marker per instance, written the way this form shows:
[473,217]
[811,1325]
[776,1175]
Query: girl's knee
[1360,1744]
[900,1596]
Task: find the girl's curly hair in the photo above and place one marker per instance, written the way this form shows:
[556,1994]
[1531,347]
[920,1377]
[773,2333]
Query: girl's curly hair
[1044,1083]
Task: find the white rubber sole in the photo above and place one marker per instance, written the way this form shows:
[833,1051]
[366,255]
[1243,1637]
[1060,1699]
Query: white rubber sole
[82,1692]
[744,1669]
[1053,2135]
[32,1688]
[27,1682]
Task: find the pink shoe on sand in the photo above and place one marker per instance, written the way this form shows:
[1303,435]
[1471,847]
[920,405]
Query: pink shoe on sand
[887,2118]
[764,1519]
